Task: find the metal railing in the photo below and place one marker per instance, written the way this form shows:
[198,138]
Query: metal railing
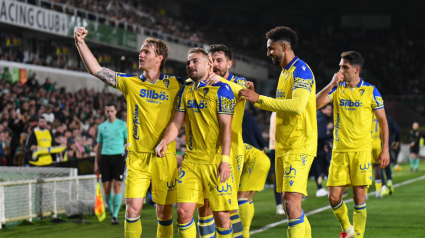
[27,199]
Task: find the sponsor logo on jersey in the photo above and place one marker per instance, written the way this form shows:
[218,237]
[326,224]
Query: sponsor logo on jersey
[289,170]
[153,97]
[173,184]
[350,105]
[224,189]
[190,147]
[193,104]
[136,122]
[364,166]
[337,127]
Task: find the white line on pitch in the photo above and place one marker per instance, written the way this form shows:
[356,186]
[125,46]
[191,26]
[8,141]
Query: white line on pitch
[269,226]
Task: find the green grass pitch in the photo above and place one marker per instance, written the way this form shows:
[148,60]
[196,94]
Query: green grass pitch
[399,215]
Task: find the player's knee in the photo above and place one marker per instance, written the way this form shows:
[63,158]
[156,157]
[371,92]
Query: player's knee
[333,200]
[132,208]
[183,215]
[164,212]
[222,219]
[291,205]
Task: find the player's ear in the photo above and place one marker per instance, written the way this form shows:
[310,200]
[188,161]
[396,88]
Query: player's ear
[159,58]
[229,64]
[284,46]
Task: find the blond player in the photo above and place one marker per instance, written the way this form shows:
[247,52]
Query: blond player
[151,98]
[207,168]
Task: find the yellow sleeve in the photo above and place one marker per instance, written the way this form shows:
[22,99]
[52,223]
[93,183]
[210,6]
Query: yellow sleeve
[295,105]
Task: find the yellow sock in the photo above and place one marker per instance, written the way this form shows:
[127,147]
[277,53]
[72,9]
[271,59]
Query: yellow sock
[245,213]
[187,230]
[132,227]
[206,226]
[378,185]
[251,204]
[307,228]
[237,225]
[224,233]
[341,213]
[359,220]
[296,227]
[165,228]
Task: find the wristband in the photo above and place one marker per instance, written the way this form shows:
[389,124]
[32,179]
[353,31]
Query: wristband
[225,158]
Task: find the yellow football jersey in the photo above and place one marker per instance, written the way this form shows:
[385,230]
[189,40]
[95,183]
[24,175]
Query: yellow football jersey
[236,84]
[353,113]
[296,134]
[202,104]
[150,108]
[376,133]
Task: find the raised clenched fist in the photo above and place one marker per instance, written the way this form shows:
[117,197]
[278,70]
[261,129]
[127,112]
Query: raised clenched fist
[80,33]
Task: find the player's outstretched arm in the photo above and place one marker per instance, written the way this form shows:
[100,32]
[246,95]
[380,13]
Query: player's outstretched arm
[384,156]
[322,98]
[225,122]
[104,74]
[171,133]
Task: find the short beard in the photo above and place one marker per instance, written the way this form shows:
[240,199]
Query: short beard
[277,61]
[198,77]
[222,72]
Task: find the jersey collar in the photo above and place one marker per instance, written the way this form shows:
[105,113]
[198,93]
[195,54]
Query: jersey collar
[230,77]
[358,85]
[143,78]
[291,63]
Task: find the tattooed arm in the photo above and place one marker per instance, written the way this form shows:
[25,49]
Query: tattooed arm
[104,74]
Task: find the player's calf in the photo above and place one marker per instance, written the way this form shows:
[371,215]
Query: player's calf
[132,224]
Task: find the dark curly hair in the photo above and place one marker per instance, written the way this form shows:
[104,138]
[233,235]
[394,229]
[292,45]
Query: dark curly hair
[283,33]
[219,47]
[353,57]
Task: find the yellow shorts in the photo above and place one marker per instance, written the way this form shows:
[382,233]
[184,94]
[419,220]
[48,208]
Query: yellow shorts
[350,169]
[255,170]
[195,180]
[144,168]
[292,173]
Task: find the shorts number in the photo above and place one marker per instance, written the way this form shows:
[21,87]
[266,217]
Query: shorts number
[181,175]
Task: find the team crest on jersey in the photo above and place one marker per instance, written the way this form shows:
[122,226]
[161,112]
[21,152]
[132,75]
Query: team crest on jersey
[206,91]
[361,92]
[342,91]
[241,82]
[166,82]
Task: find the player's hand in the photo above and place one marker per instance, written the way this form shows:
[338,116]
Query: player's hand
[247,94]
[223,172]
[384,158]
[212,78]
[80,33]
[265,150]
[412,144]
[160,149]
[250,85]
[96,168]
[337,79]
[33,147]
